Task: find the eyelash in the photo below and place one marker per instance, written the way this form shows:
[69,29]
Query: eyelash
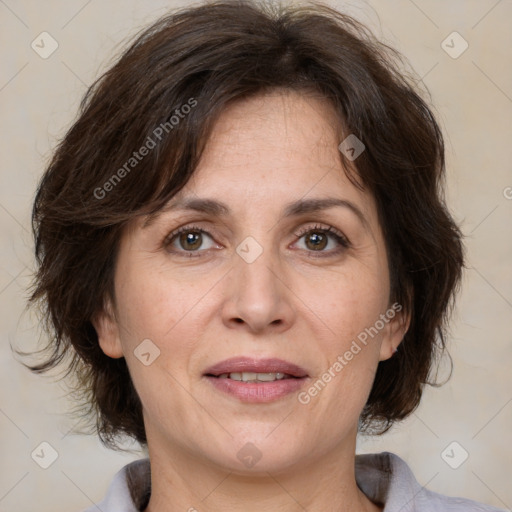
[338,236]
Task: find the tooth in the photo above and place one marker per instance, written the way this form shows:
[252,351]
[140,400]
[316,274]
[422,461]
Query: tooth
[253,376]
[266,377]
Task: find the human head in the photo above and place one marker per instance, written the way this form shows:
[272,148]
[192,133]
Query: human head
[207,58]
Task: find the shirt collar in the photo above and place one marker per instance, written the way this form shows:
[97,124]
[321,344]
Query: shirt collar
[383,477]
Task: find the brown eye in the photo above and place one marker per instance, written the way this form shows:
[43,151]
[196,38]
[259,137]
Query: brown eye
[190,240]
[316,241]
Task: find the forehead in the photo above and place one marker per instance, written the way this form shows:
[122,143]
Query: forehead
[273,150]
[283,126]
[282,143]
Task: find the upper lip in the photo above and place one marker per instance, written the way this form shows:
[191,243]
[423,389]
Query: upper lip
[250,364]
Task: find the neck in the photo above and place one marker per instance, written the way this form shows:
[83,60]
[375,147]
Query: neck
[181,482]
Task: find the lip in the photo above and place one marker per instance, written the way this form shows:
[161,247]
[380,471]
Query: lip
[249,364]
[257,392]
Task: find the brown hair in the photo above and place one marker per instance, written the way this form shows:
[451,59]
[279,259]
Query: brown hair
[205,57]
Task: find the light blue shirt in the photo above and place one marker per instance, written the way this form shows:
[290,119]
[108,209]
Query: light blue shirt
[384,478]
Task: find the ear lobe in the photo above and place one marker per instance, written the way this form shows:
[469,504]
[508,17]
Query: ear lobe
[105,323]
[394,333]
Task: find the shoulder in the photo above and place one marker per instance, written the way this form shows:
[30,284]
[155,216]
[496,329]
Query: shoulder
[128,490]
[387,479]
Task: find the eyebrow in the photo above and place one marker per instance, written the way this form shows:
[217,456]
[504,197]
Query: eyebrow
[296,208]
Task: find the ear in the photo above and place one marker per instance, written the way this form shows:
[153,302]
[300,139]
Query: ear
[394,330]
[105,323]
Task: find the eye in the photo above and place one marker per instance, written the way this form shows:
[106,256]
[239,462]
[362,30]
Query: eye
[317,239]
[187,240]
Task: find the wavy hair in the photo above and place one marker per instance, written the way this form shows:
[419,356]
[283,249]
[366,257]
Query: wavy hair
[213,54]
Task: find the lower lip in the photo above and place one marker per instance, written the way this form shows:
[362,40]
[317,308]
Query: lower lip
[258,391]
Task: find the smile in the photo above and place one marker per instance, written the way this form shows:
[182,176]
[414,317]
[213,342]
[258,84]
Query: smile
[255,377]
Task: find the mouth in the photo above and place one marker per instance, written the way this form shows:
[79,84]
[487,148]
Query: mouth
[255,377]
[256,380]
[248,368]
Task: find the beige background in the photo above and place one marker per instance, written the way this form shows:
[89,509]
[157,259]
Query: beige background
[473,99]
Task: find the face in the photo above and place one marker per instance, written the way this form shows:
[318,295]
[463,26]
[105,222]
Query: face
[258,280]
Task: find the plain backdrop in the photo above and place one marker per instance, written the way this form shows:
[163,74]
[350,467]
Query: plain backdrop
[471,90]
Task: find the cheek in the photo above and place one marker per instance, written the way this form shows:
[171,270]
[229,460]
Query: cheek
[342,387]
[170,312]
[351,309]
[154,304]
[157,308]
[348,302]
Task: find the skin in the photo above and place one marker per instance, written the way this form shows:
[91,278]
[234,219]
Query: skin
[264,152]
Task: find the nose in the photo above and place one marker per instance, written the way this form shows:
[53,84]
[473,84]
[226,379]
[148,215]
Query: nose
[258,299]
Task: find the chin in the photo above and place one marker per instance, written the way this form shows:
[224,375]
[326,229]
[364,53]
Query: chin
[260,454]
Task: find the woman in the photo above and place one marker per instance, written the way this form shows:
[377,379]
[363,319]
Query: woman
[243,247]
